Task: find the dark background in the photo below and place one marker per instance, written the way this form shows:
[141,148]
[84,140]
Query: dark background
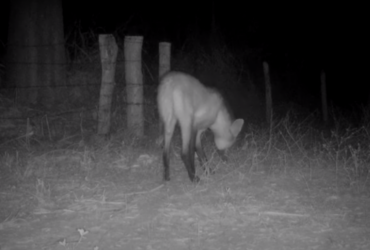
[307,36]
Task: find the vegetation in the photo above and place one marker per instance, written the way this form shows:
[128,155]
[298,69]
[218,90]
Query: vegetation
[293,184]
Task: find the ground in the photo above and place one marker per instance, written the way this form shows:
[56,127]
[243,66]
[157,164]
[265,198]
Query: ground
[114,198]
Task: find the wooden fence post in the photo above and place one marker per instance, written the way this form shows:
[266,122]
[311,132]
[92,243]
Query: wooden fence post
[108,55]
[268,93]
[134,84]
[164,58]
[324,102]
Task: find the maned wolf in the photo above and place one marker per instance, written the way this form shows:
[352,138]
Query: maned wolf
[183,99]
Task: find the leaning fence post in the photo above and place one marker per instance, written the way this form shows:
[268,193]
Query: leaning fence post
[108,55]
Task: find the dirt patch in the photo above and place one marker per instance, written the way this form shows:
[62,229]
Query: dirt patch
[117,200]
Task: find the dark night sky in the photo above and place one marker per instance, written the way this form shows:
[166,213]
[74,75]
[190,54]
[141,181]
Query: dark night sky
[329,35]
[333,34]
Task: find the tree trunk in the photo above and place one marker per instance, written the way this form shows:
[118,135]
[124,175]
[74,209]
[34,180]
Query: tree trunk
[36,54]
[21,51]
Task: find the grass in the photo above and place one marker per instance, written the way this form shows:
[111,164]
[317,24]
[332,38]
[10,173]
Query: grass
[285,181]
[294,184]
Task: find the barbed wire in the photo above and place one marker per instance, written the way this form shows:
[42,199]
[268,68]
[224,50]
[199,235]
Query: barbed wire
[145,42]
[77,85]
[42,113]
[80,61]
[72,63]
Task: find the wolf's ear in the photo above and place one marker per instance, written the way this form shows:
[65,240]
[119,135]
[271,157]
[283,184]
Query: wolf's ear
[236,127]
